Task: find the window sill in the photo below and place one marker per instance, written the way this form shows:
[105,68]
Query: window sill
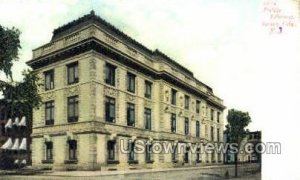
[47,161]
[113,162]
[133,162]
[149,161]
[75,161]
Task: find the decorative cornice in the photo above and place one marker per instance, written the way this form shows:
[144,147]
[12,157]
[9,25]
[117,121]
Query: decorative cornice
[98,46]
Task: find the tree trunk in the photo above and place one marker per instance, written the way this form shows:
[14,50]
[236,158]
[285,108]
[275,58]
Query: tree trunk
[236,163]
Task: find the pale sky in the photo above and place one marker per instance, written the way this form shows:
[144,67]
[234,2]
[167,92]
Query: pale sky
[223,42]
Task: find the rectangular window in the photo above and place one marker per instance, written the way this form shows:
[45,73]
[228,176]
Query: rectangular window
[73,73]
[130,82]
[72,149]
[73,109]
[49,150]
[110,109]
[173,97]
[212,114]
[212,133]
[186,155]
[148,89]
[197,129]
[147,116]
[130,114]
[198,107]
[110,73]
[186,126]
[49,80]
[173,123]
[174,153]
[218,117]
[218,135]
[131,154]
[111,150]
[148,152]
[186,102]
[49,113]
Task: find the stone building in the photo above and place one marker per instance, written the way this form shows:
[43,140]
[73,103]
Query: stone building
[103,88]
[251,142]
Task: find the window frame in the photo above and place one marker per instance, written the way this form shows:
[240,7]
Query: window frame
[173,123]
[72,149]
[74,77]
[186,126]
[49,105]
[130,110]
[110,74]
[198,106]
[197,128]
[148,89]
[186,102]
[49,150]
[49,73]
[111,150]
[110,103]
[130,80]
[75,105]
[148,118]
[173,97]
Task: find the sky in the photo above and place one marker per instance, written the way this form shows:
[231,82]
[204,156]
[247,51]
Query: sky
[224,43]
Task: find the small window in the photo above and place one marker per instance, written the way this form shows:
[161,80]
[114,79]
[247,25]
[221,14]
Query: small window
[186,126]
[197,129]
[49,113]
[173,123]
[186,155]
[131,155]
[187,102]
[212,114]
[110,73]
[147,117]
[72,149]
[198,107]
[49,150]
[110,109]
[73,109]
[218,135]
[130,114]
[174,153]
[148,89]
[130,82]
[49,80]
[173,97]
[218,117]
[73,73]
[111,150]
[212,133]
[148,152]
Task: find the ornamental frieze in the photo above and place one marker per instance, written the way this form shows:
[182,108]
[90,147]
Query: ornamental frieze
[72,91]
[130,98]
[110,92]
[147,103]
[48,96]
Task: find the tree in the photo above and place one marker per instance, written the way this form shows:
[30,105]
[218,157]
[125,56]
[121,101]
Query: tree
[9,48]
[20,97]
[235,129]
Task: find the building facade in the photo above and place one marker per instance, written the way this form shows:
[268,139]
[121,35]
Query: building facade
[251,142]
[102,88]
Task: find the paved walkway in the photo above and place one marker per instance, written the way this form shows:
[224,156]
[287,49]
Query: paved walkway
[191,173]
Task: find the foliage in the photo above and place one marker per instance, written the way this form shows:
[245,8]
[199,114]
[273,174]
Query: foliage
[237,122]
[9,47]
